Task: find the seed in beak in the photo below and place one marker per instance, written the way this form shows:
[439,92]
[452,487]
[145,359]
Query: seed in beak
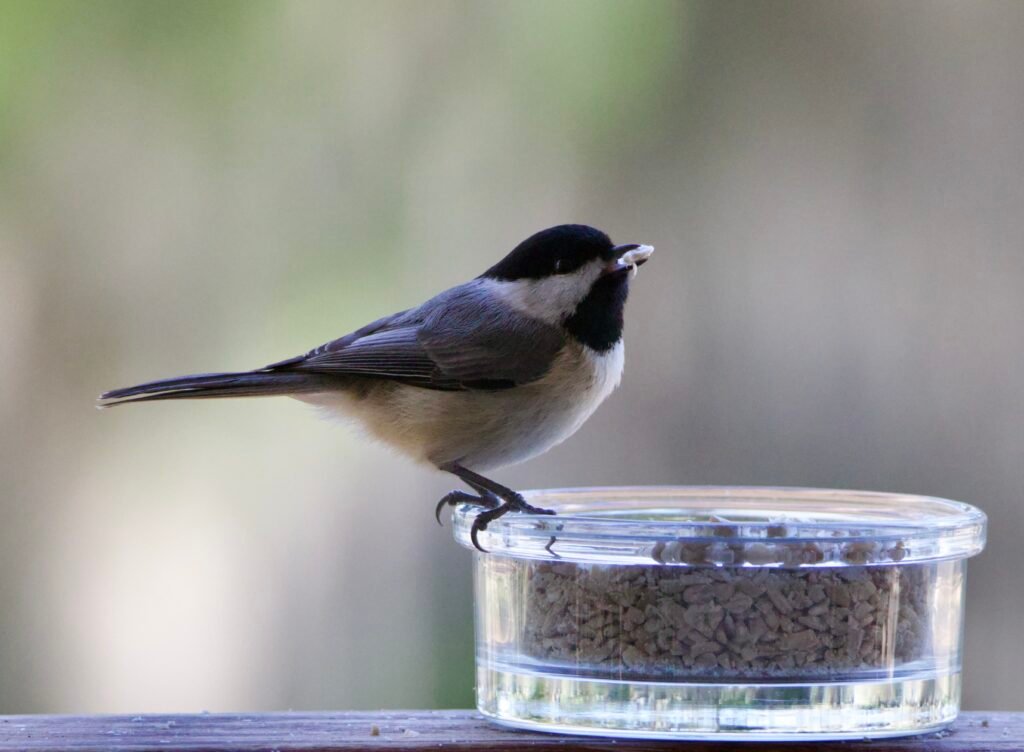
[635,256]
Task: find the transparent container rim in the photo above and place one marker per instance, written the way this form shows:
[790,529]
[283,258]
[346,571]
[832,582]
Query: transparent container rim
[636,523]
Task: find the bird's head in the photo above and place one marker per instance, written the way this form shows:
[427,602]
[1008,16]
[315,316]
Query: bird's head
[571,275]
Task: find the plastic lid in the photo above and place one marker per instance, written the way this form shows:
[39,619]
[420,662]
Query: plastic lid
[732,526]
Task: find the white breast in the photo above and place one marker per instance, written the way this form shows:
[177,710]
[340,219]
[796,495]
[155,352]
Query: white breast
[605,375]
[526,421]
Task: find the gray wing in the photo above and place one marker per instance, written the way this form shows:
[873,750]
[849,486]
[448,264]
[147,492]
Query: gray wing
[462,339]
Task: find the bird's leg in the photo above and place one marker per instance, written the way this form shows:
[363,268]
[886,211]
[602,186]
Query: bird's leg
[513,501]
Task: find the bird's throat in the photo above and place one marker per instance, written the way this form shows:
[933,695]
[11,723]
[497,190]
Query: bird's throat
[598,318]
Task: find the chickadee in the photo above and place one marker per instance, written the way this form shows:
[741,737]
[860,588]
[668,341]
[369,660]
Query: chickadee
[489,373]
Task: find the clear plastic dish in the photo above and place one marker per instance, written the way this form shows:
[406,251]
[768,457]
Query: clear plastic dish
[736,613]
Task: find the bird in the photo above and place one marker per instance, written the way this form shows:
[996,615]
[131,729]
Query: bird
[486,374]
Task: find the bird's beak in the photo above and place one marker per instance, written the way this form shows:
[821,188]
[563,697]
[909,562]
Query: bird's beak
[628,257]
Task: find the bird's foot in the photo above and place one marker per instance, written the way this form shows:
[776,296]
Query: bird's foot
[450,499]
[514,502]
[492,494]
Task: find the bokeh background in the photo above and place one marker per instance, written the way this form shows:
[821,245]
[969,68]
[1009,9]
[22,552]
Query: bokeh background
[835,191]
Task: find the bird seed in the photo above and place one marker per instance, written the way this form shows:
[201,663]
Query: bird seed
[743,622]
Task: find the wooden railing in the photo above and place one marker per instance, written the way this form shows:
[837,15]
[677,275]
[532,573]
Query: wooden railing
[419,730]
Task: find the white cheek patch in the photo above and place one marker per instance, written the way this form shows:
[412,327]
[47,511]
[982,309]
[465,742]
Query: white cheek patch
[550,299]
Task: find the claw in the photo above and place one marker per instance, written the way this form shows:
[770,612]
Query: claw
[452,498]
[550,543]
[484,519]
[474,531]
[514,504]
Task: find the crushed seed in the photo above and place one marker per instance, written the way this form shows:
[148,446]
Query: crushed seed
[656,620]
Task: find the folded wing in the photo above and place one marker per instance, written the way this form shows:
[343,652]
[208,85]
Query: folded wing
[460,340]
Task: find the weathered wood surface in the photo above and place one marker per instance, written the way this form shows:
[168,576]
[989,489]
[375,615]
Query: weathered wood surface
[419,730]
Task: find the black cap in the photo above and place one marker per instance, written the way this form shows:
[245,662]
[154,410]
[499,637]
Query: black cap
[557,250]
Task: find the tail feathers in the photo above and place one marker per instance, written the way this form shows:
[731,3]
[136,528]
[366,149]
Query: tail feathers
[208,385]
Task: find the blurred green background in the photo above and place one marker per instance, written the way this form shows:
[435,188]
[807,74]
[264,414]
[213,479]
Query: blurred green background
[835,191]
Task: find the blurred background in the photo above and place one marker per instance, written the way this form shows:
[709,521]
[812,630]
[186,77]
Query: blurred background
[835,191]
